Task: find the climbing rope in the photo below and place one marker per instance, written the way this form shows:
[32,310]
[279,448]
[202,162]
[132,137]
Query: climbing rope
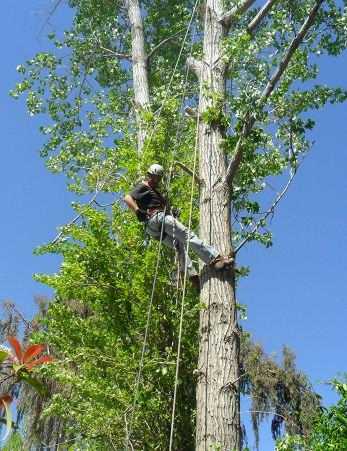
[179,345]
[149,310]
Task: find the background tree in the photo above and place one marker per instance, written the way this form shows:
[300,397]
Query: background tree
[247,65]
[329,430]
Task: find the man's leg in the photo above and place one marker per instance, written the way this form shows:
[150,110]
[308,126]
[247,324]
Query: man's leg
[154,229]
[177,230]
[207,253]
[183,258]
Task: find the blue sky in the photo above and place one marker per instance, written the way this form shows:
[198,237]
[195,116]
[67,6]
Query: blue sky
[296,290]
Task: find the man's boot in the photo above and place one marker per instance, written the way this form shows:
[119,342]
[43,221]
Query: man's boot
[222,262]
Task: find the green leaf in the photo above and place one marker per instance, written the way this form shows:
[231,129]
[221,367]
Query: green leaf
[33,382]
[3,355]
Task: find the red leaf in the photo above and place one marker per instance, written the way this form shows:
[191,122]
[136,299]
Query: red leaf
[32,351]
[5,398]
[16,346]
[40,361]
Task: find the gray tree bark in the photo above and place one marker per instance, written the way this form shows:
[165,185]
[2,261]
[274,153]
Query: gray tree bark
[218,403]
[140,69]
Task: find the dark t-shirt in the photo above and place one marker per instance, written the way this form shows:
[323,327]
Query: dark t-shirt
[147,197]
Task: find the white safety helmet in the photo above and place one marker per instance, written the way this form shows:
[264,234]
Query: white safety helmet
[156,169]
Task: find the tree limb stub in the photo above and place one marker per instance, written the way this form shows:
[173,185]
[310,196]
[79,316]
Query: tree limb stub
[231,15]
[194,65]
[188,171]
[260,16]
[250,120]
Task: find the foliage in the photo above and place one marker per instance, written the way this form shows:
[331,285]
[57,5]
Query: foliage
[16,367]
[276,390]
[97,320]
[329,430]
[14,443]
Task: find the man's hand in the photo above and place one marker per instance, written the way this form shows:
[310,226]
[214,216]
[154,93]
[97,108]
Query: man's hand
[175,212]
[141,215]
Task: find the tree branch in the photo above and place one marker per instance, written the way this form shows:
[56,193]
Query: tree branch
[290,52]
[231,15]
[98,189]
[194,65]
[188,171]
[116,54]
[260,16]
[164,41]
[270,211]
[269,88]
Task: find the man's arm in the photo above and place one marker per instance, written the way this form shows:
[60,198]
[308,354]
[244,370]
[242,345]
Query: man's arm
[131,203]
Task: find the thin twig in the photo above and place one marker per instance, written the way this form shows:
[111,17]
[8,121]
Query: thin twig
[268,212]
[50,14]
[266,412]
[230,384]
[6,378]
[164,41]
[15,310]
[90,202]
[104,205]
[114,53]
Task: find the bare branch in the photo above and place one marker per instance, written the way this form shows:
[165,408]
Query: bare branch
[110,204]
[250,120]
[188,171]
[194,65]
[164,41]
[116,54]
[293,46]
[260,16]
[270,211]
[6,378]
[50,15]
[231,15]
[267,412]
[12,307]
[98,189]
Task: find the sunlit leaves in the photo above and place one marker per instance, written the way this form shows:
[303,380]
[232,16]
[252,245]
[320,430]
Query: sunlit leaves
[329,431]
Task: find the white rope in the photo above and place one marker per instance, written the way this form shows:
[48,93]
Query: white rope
[186,262]
[174,71]
[149,310]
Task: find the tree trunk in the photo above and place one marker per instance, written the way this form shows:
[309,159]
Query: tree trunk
[218,403]
[140,71]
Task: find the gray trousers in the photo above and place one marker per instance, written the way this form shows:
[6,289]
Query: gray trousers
[175,236]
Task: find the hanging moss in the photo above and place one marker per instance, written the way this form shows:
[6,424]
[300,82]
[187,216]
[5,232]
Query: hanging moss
[276,389]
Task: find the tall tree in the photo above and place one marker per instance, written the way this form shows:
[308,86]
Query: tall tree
[125,80]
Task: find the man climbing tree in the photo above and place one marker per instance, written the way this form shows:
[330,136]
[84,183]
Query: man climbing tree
[153,209]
